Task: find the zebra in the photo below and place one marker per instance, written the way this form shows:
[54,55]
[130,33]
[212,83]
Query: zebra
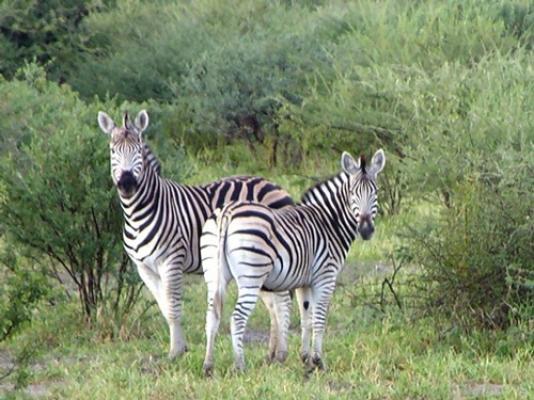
[163,221]
[302,247]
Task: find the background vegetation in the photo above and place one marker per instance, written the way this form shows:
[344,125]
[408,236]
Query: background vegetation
[439,305]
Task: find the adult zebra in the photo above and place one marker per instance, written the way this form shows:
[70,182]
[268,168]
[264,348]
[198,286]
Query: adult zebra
[163,221]
[302,247]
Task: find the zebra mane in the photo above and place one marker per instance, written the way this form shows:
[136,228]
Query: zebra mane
[337,179]
[362,164]
[151,159]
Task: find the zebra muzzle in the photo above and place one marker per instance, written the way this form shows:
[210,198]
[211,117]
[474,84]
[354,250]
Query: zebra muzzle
[366,229]
[127,183]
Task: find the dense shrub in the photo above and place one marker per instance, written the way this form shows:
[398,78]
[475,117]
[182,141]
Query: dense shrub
[45,31]
[139,50]
[477,256]
[21,290]
[57,203]
[225,70]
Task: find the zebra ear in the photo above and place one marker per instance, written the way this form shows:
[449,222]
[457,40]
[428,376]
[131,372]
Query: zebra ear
[105,122]
[348,164]
[377,163]
[141,121]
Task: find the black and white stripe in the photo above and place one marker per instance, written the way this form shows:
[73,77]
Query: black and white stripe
[302,247]
[163,221]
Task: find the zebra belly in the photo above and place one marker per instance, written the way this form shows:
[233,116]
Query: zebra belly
[153,258]
[283,278]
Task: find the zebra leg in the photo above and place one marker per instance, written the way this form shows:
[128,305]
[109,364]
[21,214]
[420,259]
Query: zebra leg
[247,297]
[268,300]
[171,279]
[304,299]
[216,294]
[152,281]
[321,300]
[279,306]
[283,312]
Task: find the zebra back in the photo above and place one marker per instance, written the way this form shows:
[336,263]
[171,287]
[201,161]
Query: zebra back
[247,188]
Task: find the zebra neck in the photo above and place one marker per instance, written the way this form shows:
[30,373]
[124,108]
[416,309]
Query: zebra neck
[150,160]
[143,202]
[331,200]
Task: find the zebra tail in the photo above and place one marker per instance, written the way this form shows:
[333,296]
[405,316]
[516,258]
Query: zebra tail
[223,267]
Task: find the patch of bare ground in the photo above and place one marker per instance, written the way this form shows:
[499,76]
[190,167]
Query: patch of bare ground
[32,390]
[253,336]
[477,390]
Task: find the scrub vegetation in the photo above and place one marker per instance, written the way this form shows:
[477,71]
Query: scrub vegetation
[439,304]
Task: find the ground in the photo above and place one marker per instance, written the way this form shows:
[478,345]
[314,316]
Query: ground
[369,353]
[367,356]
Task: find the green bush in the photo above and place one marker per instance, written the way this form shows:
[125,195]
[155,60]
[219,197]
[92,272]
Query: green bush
[138,51]
[477,257]
[21,290]
[225,70]
[45,31]
[57,202]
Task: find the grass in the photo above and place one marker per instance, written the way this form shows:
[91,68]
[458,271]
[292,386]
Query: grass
[368,356]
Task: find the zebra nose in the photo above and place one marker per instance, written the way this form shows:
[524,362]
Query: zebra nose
[127,183]
[366,229]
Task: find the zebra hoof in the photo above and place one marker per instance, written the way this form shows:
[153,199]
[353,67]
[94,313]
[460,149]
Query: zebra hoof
[176,353]
[270,357]
[207,369]
[304,356]
[239,368]
[318,363]
[281,356]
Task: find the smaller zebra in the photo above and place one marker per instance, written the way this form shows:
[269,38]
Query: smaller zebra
[302,247]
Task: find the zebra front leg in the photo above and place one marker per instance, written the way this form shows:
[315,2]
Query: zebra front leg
[153,282]
[279,306]
[321,296]
[171,285]
[304,299]
[246,301]
[282,303]
[268,300]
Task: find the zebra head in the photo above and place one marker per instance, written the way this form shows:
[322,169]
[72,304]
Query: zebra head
[363,189]
[126,150]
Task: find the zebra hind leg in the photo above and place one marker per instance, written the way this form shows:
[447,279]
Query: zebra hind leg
[213,319]
[279,306]
[304,299]
[248,294]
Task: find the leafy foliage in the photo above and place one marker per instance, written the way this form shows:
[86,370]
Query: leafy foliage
[45,31]
[22,290]
[57,201]
[279,88]
[477,257]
